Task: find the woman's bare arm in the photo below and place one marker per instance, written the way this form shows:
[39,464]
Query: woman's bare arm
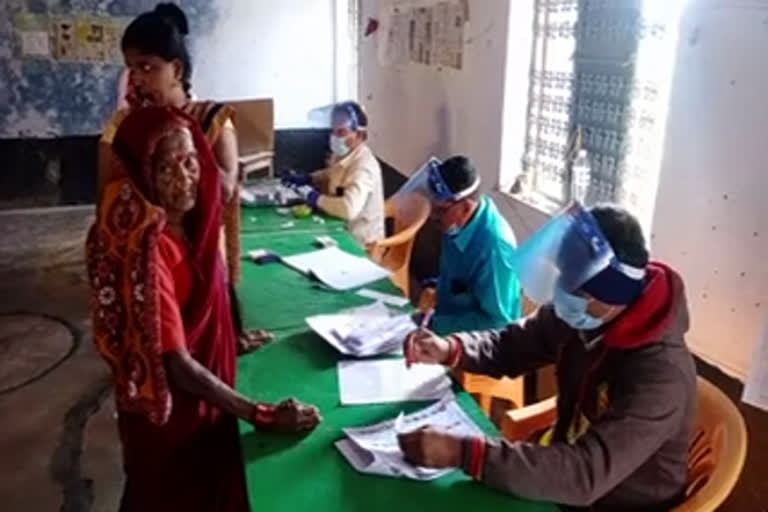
[187,374]
[226,153]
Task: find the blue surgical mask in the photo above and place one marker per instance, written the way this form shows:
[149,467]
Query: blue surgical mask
[572,309]
[339,146]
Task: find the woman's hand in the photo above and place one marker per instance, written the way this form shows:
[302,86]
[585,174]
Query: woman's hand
[294,416]
[252,339]
[287,416]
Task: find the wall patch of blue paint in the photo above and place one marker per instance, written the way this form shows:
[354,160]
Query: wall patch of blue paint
[45,98]
[37,6]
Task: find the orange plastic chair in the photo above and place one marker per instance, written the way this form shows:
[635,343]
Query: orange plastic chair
[394,252]
[715,458]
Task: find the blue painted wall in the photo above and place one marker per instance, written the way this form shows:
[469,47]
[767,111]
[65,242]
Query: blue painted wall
[42,98]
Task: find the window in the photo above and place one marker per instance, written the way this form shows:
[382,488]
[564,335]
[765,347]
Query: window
[346,27]
[600,76]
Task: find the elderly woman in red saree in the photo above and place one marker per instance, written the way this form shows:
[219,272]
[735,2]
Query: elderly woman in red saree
[162,321]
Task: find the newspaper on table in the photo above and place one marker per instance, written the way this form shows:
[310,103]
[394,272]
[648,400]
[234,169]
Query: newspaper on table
[364,331]
[375,450]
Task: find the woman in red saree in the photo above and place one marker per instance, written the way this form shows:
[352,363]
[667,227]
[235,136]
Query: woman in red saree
[159,73]
[162,321]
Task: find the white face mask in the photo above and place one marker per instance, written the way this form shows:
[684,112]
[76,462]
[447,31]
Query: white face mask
[339,146]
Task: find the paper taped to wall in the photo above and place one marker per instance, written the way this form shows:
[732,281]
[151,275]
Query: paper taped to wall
[35,44]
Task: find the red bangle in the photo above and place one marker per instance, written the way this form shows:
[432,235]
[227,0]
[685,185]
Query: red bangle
[456,351]
[474,457]
[263,415]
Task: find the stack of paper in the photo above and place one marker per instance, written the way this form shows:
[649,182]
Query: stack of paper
[268,192]
[365,331]
[388,380]
[336,268]
[375,449]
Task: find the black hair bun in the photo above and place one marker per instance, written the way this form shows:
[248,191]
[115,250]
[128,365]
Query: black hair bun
[173,13]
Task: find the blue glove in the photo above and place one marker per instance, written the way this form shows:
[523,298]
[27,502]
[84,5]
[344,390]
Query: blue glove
[292,178]
[309,194]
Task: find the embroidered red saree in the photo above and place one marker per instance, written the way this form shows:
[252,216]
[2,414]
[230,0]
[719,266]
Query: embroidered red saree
[153,293]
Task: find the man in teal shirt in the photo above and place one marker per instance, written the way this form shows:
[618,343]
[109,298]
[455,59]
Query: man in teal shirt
[477,288]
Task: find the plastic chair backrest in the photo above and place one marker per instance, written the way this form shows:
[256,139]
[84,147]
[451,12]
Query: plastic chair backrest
[717,453]
[394,252]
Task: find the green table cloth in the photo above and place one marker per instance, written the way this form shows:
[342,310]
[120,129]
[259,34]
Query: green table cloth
[289,473]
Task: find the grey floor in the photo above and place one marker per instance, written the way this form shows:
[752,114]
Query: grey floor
[58,444]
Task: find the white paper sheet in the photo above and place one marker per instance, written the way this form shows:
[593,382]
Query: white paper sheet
[756,387]
[374,449]
[386,298]
[35,43]
[336,268]
[388,380]
[364,331]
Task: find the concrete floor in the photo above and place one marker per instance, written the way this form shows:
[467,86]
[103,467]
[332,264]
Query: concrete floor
[58,440]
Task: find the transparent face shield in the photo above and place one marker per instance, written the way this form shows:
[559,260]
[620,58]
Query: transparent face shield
[323,116]
[566,252]
[428,183]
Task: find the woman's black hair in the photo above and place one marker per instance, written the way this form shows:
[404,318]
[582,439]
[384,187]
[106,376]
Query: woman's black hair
[161,32]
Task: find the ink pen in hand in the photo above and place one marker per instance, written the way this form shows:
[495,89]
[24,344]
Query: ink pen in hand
[409,349]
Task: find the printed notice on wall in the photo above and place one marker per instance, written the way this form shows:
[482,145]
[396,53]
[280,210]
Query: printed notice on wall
[32,30]
[393,36]
[65,44]
[420,36]
[70,38]
[756,387]
[35,44]
[428,35]
[448,39]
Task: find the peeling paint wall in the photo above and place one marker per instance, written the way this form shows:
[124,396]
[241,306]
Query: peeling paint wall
[45,98]
[240,48]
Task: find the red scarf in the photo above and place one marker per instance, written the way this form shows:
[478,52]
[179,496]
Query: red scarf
[122,254]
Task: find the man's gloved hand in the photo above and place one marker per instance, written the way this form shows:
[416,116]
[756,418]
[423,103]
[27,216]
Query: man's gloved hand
[292,178]
[309,194]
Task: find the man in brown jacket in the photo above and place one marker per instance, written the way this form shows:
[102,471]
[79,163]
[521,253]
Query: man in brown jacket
[613,325]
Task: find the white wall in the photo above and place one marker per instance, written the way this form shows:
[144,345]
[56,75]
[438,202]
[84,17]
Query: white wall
[417,111]
[283,49]
[711,217]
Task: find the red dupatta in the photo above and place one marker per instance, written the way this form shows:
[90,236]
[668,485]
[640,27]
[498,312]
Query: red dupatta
[122,253]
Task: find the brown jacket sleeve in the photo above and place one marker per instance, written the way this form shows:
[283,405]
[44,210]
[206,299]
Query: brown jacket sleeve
[527,344]
[646,413]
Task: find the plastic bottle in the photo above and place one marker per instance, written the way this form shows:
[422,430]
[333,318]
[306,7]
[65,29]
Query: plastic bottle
[580,177]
